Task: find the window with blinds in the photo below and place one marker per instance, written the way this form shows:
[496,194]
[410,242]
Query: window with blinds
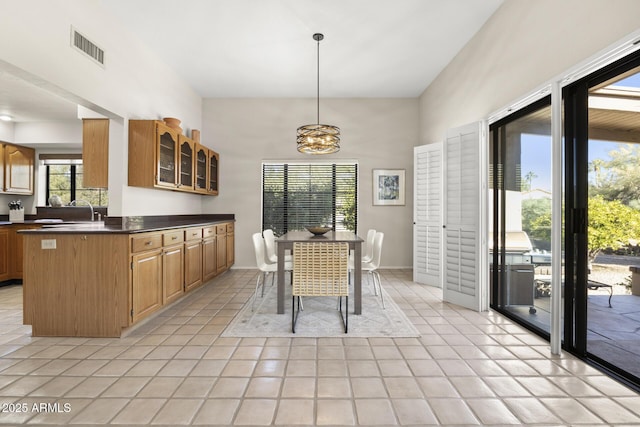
[296,195]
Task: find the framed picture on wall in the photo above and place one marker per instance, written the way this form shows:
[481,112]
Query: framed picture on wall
[388,187]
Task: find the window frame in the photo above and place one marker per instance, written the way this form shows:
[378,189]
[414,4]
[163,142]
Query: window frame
[73,188]
[335,224]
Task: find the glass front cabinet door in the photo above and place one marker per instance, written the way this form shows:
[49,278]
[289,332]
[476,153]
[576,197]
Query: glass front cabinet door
[185,172]
[202,155]
[167,142]
[214,159]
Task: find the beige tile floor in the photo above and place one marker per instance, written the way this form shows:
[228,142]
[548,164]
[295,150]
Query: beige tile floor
[467,368]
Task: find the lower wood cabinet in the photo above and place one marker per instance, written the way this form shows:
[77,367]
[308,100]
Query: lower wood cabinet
[192,258]
[209,265]
[146,281]
[11,251]
[98,284]
[78,284]
[146,274]
[4,254]
[230,245]
[221,248]
[172,266]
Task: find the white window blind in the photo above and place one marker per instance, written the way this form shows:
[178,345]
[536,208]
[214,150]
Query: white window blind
[296,195]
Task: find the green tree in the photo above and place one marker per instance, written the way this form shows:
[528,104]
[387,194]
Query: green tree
[611,224]
[618,177]
[533,211]
[528,179]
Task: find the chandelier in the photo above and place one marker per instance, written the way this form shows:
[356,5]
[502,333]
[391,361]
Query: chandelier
[318,138]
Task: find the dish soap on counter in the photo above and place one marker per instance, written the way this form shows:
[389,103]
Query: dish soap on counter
[16,211]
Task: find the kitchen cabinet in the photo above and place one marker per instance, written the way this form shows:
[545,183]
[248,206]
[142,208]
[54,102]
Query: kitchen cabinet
[201,167]
[146,275]
[16,255]
[221,247]
[214,159]
[77,284]
[172,266]
[185,173]
[192,258]
[4,254]
[18,169]
[153,154]
[95,153]
[161,157]
[99,284]
[11,251]
[230,245]
[209,267]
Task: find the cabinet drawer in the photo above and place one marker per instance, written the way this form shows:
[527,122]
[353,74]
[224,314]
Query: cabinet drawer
[230,227]
[208,232]
[172,237]
[145,242]
[221,228]
[192,234]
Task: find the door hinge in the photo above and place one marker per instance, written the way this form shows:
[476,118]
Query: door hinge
[132,265]
[132,313]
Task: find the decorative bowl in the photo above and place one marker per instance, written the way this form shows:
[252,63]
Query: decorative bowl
[172,122]
[318,231]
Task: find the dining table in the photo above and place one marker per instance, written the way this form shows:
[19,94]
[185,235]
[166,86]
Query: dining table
[285,242]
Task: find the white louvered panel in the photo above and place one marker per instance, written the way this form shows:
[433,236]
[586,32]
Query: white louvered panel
[420,248]
[428,214]
[462,207]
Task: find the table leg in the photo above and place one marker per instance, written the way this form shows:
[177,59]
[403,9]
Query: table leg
[357,278]
[280,294]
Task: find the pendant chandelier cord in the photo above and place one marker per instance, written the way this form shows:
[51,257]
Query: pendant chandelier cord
[318,37]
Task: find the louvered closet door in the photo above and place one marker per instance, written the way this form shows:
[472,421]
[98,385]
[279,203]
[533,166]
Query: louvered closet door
[462,216]
[427,214]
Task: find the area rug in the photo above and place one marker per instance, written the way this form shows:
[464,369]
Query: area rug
[320,318]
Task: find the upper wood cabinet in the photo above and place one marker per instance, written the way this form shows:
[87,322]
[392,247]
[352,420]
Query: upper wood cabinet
[214,159]
[185,171]
[95,153]
[18,169]
[160,157]
[202,157]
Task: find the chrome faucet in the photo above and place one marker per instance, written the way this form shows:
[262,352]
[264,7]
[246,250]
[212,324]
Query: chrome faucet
[74,203]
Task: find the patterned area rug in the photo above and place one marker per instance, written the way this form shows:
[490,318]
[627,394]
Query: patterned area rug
[320,317]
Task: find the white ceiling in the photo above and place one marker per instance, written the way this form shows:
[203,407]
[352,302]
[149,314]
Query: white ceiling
[264,48]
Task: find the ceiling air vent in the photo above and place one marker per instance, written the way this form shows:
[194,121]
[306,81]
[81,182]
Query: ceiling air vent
[87,47]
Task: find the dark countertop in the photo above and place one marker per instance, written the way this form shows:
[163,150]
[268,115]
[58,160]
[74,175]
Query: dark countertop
[127,225]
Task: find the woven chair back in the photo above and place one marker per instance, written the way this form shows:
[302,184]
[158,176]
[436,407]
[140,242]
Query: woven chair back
[320,269]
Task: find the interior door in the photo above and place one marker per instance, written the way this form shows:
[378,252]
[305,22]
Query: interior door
[427,214]
[463,248]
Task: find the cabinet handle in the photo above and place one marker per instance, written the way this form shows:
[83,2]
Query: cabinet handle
[149,243]
[174,237]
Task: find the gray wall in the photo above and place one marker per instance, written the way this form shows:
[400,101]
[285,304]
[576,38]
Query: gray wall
[378,133]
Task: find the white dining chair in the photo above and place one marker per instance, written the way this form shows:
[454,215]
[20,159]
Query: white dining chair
[367,247]
[266,268]
[371,267]
[270,244]
[367,254]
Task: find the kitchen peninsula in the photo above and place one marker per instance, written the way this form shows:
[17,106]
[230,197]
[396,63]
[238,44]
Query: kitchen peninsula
[96,279]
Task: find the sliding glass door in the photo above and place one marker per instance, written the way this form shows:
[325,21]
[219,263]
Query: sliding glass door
[602,131]
[520,195]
